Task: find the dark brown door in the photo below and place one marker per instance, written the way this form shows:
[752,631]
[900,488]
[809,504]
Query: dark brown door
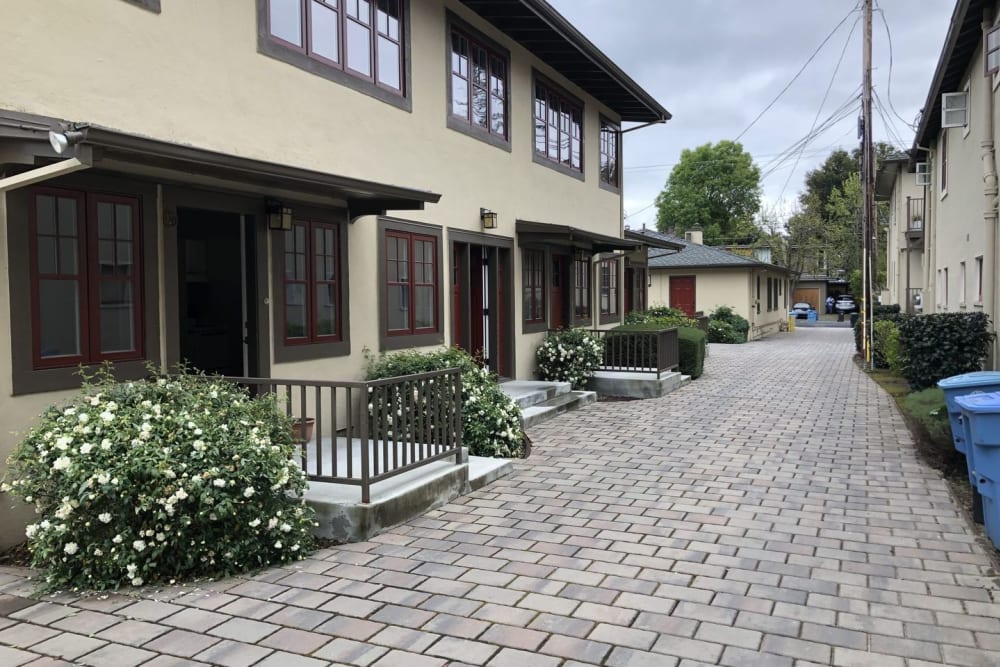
[557,292]
[682,295]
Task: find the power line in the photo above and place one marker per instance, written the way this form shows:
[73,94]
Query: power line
[826,94]
[797,74]
[888,90]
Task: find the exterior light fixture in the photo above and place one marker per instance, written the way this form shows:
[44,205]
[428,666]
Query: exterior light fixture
[488,217]
[60,141]
[279,216]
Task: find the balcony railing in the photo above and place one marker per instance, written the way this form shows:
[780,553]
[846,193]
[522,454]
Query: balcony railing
[915,215]
[361,433]
[639,351]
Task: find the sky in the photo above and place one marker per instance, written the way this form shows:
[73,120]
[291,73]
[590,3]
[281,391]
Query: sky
[717,64]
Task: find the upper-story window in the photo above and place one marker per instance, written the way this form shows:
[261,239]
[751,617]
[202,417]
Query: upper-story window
[558,127]
[362,38]
[478,84]
[609,154]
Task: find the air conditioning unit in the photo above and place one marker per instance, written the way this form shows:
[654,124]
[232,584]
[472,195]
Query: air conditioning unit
[954,109]
[923,173]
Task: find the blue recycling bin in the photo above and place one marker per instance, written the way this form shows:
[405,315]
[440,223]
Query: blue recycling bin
[811,316]
[981,417]
[960,385]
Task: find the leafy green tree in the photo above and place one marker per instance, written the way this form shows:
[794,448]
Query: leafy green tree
[715,187]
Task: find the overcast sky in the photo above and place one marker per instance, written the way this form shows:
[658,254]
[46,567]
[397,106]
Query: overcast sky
[716,64]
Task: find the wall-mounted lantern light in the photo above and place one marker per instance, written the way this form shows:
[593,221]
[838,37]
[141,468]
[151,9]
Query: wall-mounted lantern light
[488,217]
[279,216]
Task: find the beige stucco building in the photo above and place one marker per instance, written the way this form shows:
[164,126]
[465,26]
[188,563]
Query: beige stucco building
[906,270]
[274,187]
[694,277]
[954,153]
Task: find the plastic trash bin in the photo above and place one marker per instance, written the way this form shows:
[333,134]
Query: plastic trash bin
[981,414]
[811,316]
[961,385]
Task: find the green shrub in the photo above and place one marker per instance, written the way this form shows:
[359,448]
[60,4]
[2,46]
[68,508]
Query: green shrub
[726,326]
[491,420]
[661,316]
[569,355]
[943,344]
[895,318]
[887,352]
[692,343]
[889,309]
[160,480]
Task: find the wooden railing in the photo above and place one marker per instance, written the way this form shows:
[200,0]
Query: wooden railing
[361,433]
[653,351]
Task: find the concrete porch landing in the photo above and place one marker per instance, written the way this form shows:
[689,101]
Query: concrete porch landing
[342,516]
[636,385]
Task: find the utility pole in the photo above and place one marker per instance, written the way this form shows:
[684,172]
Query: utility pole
[868,224]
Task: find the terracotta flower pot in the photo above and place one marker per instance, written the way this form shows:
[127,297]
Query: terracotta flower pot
[303,432]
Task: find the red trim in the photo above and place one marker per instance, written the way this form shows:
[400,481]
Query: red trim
[411,284]
[310,282]
[609,282]
[470,44]
[88,278]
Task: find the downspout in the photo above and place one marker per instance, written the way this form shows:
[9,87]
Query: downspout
[990,213]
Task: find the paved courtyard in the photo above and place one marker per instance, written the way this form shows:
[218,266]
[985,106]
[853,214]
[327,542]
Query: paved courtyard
[771,513]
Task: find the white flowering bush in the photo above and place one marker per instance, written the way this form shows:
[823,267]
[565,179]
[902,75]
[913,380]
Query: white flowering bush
[569,355]
[154,481]
[491,420]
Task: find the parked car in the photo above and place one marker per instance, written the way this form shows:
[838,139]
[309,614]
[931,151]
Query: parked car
[801,310]
[845,304]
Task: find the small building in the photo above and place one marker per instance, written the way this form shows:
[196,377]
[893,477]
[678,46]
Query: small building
[697,277]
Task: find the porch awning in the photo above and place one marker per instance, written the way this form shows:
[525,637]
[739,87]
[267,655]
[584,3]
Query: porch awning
[24,141]
[542,232]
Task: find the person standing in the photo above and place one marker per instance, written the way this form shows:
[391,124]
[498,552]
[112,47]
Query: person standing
[829,305]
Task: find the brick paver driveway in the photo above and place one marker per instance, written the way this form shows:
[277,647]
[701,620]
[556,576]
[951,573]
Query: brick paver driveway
[771,513]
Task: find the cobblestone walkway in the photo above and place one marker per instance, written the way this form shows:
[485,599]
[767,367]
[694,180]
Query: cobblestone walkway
[771,513]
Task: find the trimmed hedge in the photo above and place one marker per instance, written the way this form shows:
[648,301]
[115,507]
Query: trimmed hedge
[890,309]
[693,344]
[889,316]
[943,344]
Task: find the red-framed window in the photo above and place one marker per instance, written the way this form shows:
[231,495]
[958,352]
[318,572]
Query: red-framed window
[609,287]
[361,37]
[312,283]
[609,153]
[478,84]
[411,283]
[558,127]
[86,278]
[533,270]
[581,288]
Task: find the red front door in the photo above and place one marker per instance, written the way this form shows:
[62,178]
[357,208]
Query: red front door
[557,318]
[682,294]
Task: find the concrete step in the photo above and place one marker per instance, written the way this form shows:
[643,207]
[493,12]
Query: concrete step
[532,392]
[483,471]
[635,385]
[536,414]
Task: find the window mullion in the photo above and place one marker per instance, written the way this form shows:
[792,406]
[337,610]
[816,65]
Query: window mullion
[410,288]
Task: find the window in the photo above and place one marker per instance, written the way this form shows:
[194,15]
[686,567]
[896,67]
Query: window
[581,289]
[758,295]
[979,280]
[411,283]
[609,154]
[360,38]
[533,269]
[961,284]
[944,162]
[312,290]
[558,128]
[478,85]
[944,294]
[86,301]
[609,290]
[992,51]
[770,297]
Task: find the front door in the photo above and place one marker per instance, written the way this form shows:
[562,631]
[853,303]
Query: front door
[682,294]
[557,292]
[480,304]
[212,252]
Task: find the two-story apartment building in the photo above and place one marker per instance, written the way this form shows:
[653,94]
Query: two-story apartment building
[275,187]
[897,183]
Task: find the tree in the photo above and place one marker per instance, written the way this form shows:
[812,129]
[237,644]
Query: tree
[715,187]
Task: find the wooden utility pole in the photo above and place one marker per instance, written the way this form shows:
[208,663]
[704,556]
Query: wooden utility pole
[868,225]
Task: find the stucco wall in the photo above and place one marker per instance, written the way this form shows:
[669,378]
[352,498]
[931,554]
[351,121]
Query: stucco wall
[192,74]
